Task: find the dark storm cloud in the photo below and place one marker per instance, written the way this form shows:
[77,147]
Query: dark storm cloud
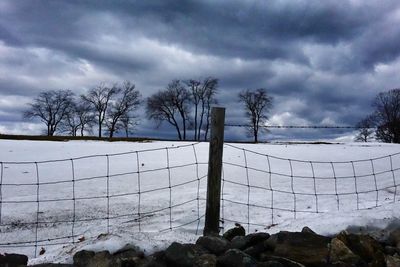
[323,61]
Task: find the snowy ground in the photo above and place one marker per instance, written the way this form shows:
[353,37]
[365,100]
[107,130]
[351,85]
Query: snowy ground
[136,192]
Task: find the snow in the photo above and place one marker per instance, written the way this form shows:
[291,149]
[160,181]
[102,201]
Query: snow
[172,186]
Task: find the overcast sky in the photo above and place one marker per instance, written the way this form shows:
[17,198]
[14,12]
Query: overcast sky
[322,61]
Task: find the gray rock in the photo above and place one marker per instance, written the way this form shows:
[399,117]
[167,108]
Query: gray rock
[270,264]
[339,252]
[232,233]
[206,260]
[392,261]
[285,262]
[52,265]
[127,256]
[255,251]
[243,242]
[364,246]
[305,248]
[236,258]
[82,258]
[101,259]
[10,260]
[394,238]
[214,244]
[306,229]
[180,255]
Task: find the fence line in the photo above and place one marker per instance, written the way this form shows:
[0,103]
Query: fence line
[304,187]
[164,188]
[66,177]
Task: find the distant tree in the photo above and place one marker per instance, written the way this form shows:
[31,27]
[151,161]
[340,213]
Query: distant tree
[128,100]
[51,107]
[172,106]
[98,99]
[257,104]
[128,124]
[202,95]
[365,129]
[387,116]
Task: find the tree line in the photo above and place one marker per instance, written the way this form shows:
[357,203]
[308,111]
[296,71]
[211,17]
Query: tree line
[183,104]
[383,123]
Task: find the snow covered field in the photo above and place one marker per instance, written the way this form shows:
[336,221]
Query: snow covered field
[102,195]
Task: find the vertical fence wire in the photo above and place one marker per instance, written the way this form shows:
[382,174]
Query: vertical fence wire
[315,187]
[248,189]
[73,202]
[37,207]
[394,179]
[170,189]
[272,190]
[198,188]
[292,188]
[139,193]
[108,193]
[336,189]
[355,185]
[375,183]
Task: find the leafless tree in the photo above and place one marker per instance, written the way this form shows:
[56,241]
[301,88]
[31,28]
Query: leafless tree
[98,99]
[80,119]
[257,104]
[365,129]
[51,107]
[128,124]
[128,101]
[387,116]
[172,106]
[202,95]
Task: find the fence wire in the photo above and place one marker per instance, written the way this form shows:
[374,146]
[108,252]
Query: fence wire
[274,189]
[59,202]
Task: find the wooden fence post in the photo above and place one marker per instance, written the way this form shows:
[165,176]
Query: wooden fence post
[211,226]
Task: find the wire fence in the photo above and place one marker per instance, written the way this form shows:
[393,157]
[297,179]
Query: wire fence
[275,189]
[58,202]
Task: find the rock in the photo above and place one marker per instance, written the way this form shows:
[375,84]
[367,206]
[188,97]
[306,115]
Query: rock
[270,264]
[82,258]
[305,248]
[362,245]
[237,231]
[214,244]
[52,265]
[11,260]
[306,229]
[235,258]
[339,252]
[243,242]
[255,251]
[206,260]
[101,259]
[285,262]
[180,255]
[127,256]
[394,238]
[389,250]
[392,261]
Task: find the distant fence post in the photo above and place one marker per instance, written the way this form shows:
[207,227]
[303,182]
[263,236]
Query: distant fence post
[211,226]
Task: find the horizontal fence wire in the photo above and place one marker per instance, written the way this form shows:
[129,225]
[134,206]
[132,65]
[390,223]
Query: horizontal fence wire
[274,189]
[64,201]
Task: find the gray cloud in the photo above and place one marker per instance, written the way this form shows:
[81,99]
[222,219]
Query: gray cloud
[323,62]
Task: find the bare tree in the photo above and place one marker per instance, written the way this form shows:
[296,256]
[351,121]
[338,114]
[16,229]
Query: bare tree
[127,102]
[172,106]
[387,116]
[202,94]
[128,124]
[365,129]
[51,107]
[257,104]
[98,99]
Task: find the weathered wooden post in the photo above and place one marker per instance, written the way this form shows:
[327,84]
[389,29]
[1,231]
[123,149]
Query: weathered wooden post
[211,226]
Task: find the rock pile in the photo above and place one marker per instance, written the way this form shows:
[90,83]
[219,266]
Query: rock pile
[234,248]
